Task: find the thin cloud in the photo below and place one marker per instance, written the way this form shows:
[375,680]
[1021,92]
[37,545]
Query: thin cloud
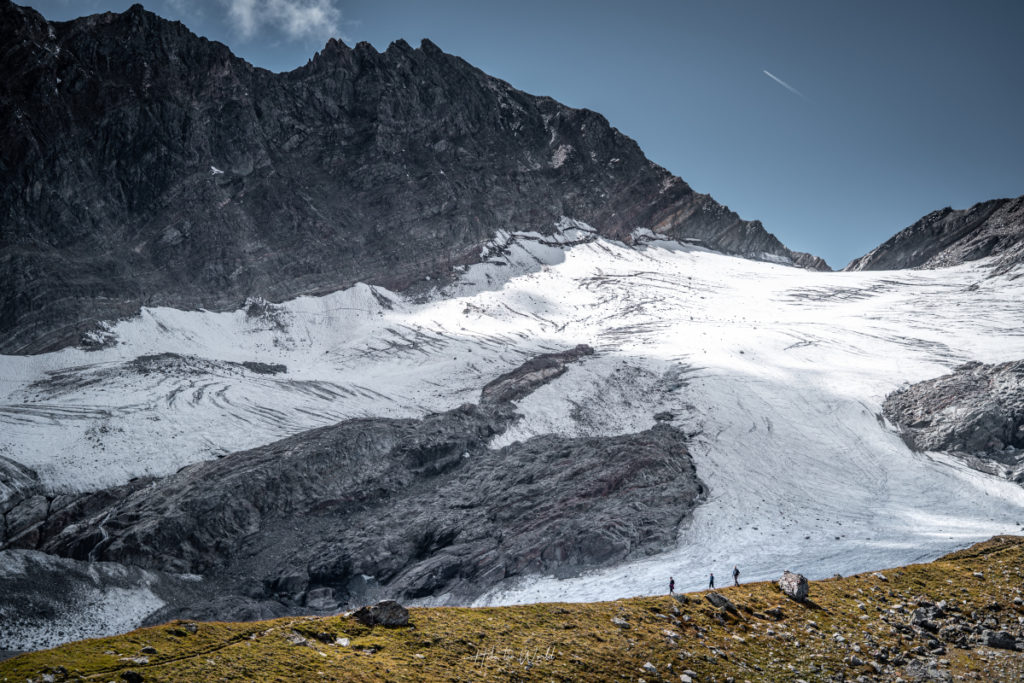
[785,85]
[298,19]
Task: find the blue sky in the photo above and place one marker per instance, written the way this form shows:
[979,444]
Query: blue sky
[886,110]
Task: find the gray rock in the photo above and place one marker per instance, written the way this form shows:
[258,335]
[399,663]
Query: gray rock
[998,639]
[720,601]
[17,483]
[975,413]
[25,516]
[296,638]
[922,617]
[946,237]
[795,586]
[385,613]
[926,671]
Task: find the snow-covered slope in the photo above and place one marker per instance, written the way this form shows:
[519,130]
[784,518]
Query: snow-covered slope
[778,372]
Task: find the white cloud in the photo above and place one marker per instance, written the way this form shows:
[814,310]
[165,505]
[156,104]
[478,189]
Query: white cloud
[296,18]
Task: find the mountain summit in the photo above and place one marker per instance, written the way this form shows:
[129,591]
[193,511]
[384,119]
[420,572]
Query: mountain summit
[950,237]
[144,165]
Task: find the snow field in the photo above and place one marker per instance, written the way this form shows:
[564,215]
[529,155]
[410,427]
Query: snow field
[778,372]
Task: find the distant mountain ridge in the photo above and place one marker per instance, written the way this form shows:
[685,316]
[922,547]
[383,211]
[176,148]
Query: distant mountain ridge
[144,165]
[951,237]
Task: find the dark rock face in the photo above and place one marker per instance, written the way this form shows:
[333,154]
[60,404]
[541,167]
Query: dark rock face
[976,412]
[18,486]
[407,508]
[948,238]
[144,165]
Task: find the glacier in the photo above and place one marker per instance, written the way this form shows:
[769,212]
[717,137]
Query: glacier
[777,373]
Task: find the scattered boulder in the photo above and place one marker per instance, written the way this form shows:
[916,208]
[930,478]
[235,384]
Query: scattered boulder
[722,602]
[923,617]
[998,639]
[795,586]
[926,671]
[385,613]
[296,638]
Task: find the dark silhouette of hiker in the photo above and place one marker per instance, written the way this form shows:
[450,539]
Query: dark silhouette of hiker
[736,575]
[671,585]
[711,581]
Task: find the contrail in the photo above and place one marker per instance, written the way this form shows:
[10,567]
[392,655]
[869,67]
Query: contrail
[785,85]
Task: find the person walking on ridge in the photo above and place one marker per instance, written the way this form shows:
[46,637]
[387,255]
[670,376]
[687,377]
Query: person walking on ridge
[711,582]
[736,575]
[671,585]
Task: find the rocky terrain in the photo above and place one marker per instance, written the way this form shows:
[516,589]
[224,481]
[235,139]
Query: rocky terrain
[948,237]
[956,619]
[409,508]
[145,165]
[976,413]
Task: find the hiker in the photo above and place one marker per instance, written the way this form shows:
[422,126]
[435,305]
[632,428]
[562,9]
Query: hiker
[711,582]
[736,575]
[671,585]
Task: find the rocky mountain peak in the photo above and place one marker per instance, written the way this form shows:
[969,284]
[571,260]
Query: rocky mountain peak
[950,237]
[150,166]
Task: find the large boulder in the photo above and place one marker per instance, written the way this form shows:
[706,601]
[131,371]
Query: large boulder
[998,639]
[795,586]
[720,601]
[385,613]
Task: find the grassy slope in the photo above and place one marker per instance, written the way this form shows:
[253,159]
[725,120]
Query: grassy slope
[579,642]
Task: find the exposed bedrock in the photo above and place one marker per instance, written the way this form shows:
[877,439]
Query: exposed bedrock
[144,165]
[949,237]
[976,412]
[405,508]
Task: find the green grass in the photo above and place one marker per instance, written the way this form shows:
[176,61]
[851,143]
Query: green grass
[579,642]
